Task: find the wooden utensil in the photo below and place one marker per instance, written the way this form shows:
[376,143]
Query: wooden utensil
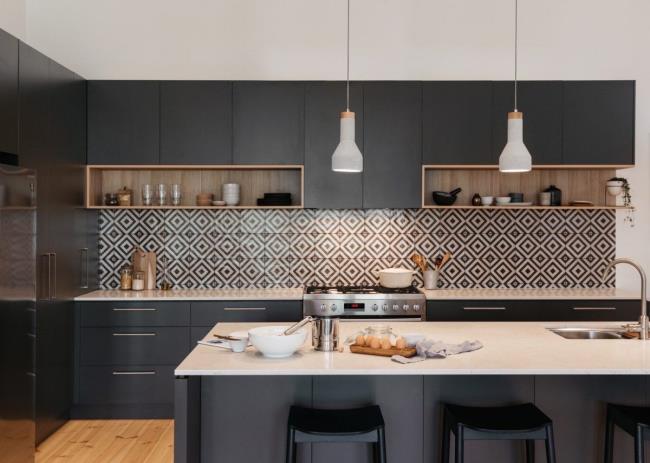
[419,261]
[445,259]
[227,338]
[405,352]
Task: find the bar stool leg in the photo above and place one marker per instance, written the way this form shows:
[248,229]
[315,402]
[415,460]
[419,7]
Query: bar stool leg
[291,446]
[550,444]
[639,451]
[381,444]
[530,451]
[609,438]
[460,440]
[444,451]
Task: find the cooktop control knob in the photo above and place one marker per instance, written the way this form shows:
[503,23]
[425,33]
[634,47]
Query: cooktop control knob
[375,307]
[395,307]
[405,307]
[323,307]
[333,307]
[416,307]
[385,307]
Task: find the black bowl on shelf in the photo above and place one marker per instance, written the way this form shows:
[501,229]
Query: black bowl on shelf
[443,198]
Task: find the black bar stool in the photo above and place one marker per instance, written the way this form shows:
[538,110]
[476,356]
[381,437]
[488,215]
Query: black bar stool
[517,422]
[634,421]
[310,425]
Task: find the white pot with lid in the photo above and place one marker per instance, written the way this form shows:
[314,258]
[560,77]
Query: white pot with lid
[395,277]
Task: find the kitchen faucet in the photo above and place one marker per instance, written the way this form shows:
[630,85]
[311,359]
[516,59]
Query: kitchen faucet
[643,321]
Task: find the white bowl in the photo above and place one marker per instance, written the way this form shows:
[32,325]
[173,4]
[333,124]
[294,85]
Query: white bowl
[413,338]
[395,277]
[503,199]
[487,200]
[270,342]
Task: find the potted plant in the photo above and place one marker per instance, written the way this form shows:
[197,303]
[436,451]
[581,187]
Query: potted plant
[618,185]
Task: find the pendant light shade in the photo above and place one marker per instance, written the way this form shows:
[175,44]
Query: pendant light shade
[515,156]
[347,157]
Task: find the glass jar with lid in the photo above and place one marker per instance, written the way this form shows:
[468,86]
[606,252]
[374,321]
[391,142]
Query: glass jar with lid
[138,281]
[126,277]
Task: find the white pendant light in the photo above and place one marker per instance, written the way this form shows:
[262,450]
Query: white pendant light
[515,156]
[347,157]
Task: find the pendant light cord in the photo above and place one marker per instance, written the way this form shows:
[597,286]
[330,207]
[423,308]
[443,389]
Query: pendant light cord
[347,87]
[516,37]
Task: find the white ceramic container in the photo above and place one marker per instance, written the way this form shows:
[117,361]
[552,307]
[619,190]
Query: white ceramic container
[395,277]
[272,344]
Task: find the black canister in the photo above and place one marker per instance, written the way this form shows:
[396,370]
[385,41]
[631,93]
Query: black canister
[476,199]
[556,195]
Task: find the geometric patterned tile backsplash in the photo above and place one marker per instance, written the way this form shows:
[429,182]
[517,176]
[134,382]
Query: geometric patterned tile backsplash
[492,248]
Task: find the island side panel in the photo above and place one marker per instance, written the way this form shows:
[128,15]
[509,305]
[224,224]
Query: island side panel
[244,418]
[473,390]
[400,399]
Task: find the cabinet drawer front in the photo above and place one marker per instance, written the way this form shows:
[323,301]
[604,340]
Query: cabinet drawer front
[134,313]
[133,346]
[476,311]
[126,384]
[591,310]
[209,313]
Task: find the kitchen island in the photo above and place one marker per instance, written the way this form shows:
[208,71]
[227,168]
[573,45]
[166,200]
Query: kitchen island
[233,407]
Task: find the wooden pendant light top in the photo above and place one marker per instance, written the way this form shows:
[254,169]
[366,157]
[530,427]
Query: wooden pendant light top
[515,115]
[347,115]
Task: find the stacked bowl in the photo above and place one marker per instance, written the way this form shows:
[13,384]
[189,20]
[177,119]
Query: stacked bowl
[230,193]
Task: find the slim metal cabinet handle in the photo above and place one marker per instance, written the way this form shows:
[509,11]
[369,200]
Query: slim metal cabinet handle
[243,309]
[134,334]
[133,309]
[594,308]
[84,283]
[45,276]
[484,308]
[133,373]
[53,254]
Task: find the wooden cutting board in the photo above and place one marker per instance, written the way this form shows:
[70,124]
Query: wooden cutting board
[405,352]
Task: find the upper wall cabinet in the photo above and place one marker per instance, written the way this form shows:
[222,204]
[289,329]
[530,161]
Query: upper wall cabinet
[392,155]
[195,122]
[541,104]
[123,122]
[268,122]
[8,93]
[456,123]
[599,122]
[323,188]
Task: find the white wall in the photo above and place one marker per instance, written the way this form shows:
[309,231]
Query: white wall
[391,39]
[12,17]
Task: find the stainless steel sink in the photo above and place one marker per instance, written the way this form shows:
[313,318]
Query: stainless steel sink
[587,333]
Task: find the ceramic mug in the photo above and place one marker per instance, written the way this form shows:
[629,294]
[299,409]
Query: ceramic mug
[545,198]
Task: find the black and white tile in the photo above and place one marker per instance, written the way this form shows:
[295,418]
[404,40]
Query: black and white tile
[510,248]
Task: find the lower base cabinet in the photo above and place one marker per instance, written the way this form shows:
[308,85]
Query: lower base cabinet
[126,352]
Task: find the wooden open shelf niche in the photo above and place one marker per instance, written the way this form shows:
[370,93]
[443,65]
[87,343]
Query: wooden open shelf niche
[254,181]
[578,183]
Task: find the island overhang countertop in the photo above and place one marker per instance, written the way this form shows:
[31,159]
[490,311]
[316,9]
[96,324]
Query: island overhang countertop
[509,348]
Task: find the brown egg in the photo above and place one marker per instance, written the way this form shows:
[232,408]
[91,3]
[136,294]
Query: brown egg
[385,343]
[400,343]
[361,340]
[374,342]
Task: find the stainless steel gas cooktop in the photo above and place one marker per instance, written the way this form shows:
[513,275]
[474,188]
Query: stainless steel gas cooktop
[364,302]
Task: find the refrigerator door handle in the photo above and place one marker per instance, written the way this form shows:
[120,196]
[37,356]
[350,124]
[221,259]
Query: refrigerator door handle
[53,254]
[45,277]
[84,268]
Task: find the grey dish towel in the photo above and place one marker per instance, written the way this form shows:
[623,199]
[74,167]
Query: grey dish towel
[438,350]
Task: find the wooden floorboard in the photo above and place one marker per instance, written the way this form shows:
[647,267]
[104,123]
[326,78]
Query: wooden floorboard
[110,441]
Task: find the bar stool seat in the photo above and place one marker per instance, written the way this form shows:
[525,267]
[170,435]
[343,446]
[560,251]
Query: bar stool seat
[311,425]
[517,422]
[633,420]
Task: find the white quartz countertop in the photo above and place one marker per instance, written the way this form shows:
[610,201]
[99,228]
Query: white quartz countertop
[296,294]
[194,295]
[535,294]
[509,349]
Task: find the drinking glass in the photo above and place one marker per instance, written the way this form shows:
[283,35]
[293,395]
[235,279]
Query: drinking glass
[147,195]
[162,194]
[176,194]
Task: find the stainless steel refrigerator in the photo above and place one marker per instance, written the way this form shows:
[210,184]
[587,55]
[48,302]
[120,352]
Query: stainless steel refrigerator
[18,299]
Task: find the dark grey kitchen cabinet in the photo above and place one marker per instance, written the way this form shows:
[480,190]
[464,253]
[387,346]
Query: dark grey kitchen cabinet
[541,104]
[8,93]
[392,141]
[123,122]
[129,314]
[598,122]
[268,122]
[195,122]
[324,188]
[456,123]
[533,310]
